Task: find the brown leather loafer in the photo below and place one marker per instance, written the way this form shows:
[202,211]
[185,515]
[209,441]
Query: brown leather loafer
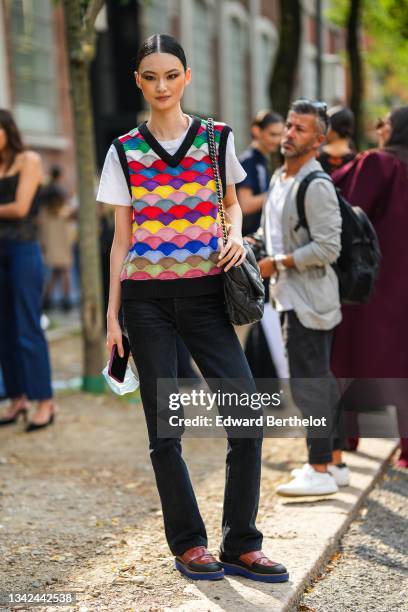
[197,563]
[254,565]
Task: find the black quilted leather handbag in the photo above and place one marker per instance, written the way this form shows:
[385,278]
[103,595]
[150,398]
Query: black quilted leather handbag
[243,286]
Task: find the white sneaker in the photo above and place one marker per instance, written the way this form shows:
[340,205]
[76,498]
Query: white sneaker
[297,471]
[340,474]
[44,322]
[309,482]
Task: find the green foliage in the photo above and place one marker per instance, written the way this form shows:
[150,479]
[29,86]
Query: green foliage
[337,12]
[385,35]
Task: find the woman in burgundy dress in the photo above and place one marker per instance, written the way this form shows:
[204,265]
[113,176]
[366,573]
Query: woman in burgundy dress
[372,340]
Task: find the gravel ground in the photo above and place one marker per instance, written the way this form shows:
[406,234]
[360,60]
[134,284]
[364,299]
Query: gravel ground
[370,570]
[79,510]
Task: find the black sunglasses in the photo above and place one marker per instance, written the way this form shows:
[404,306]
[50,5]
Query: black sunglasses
[320,106]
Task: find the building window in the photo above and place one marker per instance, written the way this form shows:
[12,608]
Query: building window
[334,86]
[156,17]
[203,81]
[308,80]
[238,90]
[333,77]
[33,62]
[265,52]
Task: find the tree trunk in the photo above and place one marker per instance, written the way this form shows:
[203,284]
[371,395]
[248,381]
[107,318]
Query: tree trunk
[356,66]
[80,52]
[283,78]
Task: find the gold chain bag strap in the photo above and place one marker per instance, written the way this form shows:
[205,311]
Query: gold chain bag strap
[244,290]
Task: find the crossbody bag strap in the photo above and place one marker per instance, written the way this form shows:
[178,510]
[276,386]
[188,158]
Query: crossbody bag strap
[213,156]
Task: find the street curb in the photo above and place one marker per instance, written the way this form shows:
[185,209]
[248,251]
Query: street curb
[302,533]
[332,546]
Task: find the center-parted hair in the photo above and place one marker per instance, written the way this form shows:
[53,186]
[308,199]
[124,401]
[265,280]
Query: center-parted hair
[161,43]
[303,106]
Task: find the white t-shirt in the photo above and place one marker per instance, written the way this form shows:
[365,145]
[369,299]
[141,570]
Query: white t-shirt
[113,188]
[277,197]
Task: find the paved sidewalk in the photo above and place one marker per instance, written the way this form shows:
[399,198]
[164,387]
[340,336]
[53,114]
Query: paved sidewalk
[303,535]
[80,512]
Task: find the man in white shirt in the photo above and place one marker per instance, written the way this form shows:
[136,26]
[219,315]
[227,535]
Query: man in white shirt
[304,289]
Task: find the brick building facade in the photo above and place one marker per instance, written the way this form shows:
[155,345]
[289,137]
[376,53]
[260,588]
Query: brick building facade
[230,44]
[34,79]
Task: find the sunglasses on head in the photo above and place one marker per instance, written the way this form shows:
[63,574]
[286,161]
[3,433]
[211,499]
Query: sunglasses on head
[320,106]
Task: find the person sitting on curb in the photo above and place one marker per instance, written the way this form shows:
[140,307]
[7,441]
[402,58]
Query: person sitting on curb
[304,289]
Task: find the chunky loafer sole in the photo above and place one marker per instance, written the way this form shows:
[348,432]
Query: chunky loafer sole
[198,574]
[231,569]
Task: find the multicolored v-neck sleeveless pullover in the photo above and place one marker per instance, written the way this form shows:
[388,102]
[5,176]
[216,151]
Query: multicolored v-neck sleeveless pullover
[175,229]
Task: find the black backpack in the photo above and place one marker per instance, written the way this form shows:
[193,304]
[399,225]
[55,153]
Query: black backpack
[358,264]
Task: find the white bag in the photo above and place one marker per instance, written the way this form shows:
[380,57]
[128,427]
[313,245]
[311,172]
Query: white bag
[130,382]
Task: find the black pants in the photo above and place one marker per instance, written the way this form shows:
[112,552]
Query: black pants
[203,325]
[314,388]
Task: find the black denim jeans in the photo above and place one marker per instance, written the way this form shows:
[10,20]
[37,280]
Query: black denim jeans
[203,325]
[314,388]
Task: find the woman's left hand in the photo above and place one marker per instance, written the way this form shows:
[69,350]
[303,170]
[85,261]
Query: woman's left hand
[232,254]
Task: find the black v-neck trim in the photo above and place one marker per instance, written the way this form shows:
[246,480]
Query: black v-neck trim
[171,160]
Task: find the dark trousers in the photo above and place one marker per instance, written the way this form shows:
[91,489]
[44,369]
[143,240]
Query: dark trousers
[184,366]
[314,388]
[203,325]
[23,348]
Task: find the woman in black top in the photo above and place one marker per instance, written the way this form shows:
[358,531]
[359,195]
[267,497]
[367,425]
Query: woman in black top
[24,356]
[338,149]
[266,130]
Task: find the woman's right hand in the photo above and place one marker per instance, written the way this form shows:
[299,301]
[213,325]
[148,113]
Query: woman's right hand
[114,336]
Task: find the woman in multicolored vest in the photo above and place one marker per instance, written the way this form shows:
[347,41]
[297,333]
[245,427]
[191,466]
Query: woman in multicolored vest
[167,265]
